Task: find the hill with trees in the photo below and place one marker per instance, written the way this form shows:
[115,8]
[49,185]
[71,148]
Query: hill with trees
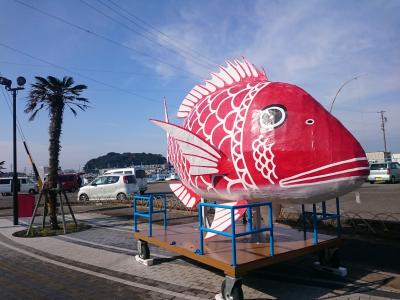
[122,160]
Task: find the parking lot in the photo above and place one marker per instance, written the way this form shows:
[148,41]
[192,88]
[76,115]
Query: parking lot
[99,262]
[371,201]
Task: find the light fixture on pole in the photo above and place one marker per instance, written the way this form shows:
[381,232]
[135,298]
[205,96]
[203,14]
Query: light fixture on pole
[7,83]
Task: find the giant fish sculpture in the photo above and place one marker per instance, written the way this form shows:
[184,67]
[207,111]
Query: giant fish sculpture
[247,139]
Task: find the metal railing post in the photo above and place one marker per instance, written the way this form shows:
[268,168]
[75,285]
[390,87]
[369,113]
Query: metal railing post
[200,209]
[134,214]
[271,231]
[233,236]
[303,213]
[338,225]
[315,224]
[151,216]
[165,210]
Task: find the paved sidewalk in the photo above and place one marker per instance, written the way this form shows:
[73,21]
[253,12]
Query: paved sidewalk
[107,250]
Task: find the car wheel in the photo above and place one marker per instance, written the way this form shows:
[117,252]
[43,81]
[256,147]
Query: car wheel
[393,180]
[83,197]
[236,293]
[372,182]
[143,250]
[121,196]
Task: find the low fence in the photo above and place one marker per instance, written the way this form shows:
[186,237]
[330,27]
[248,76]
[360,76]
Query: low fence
[352,222]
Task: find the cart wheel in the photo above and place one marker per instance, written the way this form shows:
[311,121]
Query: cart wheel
[143,249]
[235,294]
[330,258]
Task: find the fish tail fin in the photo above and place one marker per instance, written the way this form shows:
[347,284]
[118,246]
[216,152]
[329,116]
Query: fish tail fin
[222,218]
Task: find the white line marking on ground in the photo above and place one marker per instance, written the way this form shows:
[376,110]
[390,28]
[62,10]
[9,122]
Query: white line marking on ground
[100,275]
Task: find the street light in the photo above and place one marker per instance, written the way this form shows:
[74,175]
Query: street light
[342,86]
[7,83]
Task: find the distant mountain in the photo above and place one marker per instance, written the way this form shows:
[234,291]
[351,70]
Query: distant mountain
[123,160]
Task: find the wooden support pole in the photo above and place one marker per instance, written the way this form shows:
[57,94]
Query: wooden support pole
[34,213]
[62,213]
[70,209]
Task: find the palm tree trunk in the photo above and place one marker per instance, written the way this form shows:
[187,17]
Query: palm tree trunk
[56,112]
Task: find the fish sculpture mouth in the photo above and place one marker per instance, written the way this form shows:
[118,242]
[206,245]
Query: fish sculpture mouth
[351,169]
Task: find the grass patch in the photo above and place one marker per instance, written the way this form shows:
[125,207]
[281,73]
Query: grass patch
[47,231]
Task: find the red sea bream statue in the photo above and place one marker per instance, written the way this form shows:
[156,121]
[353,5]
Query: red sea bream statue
[247,139]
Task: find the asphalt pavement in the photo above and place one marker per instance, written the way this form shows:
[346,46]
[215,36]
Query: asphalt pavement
[99,263]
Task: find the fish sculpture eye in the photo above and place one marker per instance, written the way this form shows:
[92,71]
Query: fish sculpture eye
[272,116]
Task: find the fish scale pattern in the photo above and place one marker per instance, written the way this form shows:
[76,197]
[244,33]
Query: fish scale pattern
[216,112]
[264,158]
[219,115]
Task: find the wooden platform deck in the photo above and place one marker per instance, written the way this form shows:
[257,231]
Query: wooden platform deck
[184,240]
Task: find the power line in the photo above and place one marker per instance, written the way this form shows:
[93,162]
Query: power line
[82,75]
[355,110]
[152,29]
[88,31]
[141,34]
[83,69]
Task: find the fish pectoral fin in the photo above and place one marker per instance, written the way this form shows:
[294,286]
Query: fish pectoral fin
[204,159]
[222,218]
[189,198]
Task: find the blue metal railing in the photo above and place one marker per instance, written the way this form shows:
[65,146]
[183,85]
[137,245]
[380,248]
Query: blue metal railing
[321,216]
[233,235]
[149,214]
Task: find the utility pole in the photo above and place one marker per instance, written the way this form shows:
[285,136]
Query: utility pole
[383,120]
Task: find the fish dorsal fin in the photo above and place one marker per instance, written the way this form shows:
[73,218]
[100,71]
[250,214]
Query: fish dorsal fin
[234,72]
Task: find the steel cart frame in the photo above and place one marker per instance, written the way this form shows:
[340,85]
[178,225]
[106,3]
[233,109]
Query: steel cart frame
[235,252]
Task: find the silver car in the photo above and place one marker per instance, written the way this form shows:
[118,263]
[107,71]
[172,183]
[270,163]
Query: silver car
[109,187]
[384,172]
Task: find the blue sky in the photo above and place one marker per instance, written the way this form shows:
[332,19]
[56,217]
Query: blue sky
[129,67]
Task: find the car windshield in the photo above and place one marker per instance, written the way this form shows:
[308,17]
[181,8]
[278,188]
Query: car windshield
[378,167]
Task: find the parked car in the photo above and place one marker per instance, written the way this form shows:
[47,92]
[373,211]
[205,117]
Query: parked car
[384,172]
[25,185]
[109,187]
[139,173]
[71,181]
[172,176]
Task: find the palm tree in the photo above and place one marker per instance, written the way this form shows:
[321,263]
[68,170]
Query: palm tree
[54,95]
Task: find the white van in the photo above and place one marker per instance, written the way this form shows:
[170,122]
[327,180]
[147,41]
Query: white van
[139,173]
[26,185]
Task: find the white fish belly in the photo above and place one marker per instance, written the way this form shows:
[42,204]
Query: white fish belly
[289,195]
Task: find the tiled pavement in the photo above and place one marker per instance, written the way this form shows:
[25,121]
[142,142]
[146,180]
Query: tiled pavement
[102,258]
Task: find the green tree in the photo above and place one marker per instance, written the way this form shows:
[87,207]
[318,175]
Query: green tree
[54,95]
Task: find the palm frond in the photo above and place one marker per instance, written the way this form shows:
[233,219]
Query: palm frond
[73,110]
[68,81]
[33,115]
